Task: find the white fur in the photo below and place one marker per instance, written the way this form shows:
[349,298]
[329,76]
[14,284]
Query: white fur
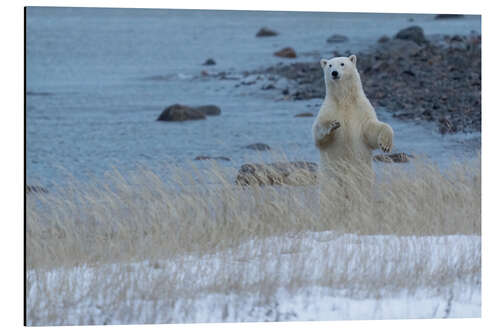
[346,103]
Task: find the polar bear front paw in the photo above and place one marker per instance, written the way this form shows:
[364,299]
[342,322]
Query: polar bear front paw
[332,126]
[385,139]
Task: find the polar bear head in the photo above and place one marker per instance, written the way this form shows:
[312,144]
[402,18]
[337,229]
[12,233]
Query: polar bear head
[339,69]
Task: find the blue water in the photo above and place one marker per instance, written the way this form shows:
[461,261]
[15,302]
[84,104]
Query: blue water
[92,105]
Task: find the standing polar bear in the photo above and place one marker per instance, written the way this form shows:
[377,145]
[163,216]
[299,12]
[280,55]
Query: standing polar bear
[346,129]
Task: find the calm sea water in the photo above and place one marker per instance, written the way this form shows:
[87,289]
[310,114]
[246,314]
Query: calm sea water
[91,104]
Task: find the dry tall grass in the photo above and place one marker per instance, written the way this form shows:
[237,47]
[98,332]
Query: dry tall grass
[141,217]
[251,230]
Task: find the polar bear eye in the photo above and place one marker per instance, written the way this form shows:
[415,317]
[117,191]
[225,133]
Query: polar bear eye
[342,64]
[330,65]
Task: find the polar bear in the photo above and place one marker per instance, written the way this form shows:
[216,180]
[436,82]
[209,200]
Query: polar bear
[346,129]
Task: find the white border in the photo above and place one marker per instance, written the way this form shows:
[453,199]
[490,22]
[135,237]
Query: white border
[12,174]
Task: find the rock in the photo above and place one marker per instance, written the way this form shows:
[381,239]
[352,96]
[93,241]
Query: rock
[383,39]
[258,146]
[304,114]
[209,62]
[446,126]
[447,16]
[179,112]
[428,115]
[266,32]
[280,173]
[204,157]
[413,33]
[336,38]
[409,72]
[248,82]
[35,189]
[209,110]
[287,52]
[38,93]
[268,87]
[457,38]
[393,158]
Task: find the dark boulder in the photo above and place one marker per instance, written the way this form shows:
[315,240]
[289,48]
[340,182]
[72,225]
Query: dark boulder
[447,16]
[393,158]
[205,157]
[38,93]
[304,114]
[383,39]
[268,87]
[178,112]
[280,173]
[413,33]
[258,146]
[287,52]
[209,62]
[446,126]
[456,38]
[337,39]
[266,32]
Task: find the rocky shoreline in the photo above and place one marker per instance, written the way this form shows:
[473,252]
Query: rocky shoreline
[413,76]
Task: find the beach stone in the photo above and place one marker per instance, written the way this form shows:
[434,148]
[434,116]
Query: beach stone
[393,158]
[38,93]
[266,32]
[457,38]
[209,62]
[268,87]
[258,146]
[413,33]
[383,39]
[287,52]
[336,38]
[205,157]
[279,173]
[447,16]
[304,114]
[178,112]
[446,126]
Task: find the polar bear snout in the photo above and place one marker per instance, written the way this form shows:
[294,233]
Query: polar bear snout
[335,74]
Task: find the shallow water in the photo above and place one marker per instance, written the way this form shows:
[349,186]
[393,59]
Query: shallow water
[92,102]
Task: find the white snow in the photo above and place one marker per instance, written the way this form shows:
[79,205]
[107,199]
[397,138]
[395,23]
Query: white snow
[314,276]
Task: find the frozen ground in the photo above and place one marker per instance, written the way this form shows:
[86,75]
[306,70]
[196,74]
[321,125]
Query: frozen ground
[311,276]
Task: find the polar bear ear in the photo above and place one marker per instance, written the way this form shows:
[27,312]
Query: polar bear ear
[323,63]
[352,58]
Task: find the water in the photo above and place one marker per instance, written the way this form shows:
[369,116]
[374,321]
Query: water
[92,105]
